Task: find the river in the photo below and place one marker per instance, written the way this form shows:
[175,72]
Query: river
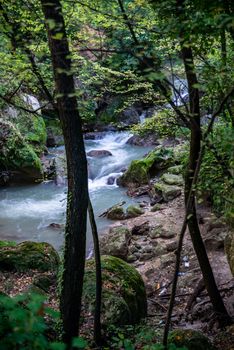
[26,212]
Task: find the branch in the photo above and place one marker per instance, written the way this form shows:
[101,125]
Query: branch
[32,111]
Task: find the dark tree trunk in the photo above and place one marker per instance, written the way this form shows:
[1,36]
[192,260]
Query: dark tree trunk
[195,144]
[77,199]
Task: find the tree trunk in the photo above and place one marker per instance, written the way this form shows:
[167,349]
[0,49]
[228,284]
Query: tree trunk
[77,199]
[195,144]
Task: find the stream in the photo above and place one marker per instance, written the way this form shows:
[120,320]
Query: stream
[26,212]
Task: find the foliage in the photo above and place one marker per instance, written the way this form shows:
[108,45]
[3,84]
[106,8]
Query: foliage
[163,123]
[216,175]
[23,325]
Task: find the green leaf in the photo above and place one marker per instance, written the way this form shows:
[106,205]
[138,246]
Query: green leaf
[79,343]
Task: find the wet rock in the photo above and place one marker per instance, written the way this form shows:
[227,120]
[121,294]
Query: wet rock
[171,179]
[140,171]
[145,141]
[29,255]
[133,211]
[99,153]
[123,294]
[229,249]
[141,229]
[168,192]
[111,180]
[116,242]
[116,213]
[192,340]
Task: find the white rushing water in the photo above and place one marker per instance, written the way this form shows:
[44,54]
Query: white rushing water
[26,212]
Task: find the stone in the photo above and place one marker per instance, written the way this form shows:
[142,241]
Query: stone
[43,282]
[131,258]
[17,155]
[229,250]
[111,180]
[99,153]
[156,207]
[168,192]
[167,260]
[172,246]
[133,211]
[123,293]
[116,242]
[116,213]
[141,229]
[140,171]
[146,256]
[155,231]
[166,234]
[192,340]
[172,179]
[160,250]
[145,141]
[176,169]
[29,255]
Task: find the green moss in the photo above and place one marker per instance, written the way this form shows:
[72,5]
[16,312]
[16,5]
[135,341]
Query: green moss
[122,285]
[16,154]
[168,192]
[141,170]
[29,255]
[133,211]
[7,244]
[176,169]
[172,179]
[193,340]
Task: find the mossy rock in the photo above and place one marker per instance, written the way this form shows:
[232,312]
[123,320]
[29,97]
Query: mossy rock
[116,213]
[123,294]
[43,282]
[116,242]
[192,340]
[229,249]
[172,179]
[133,211]
[168,192]
[176,169]
[18,156]
[29,255]
[33,129]
[156,207]
[140,171]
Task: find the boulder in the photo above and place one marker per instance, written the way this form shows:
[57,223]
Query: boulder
[99,153]
[133,211]
[28,255]
[176,169]
[192,340]
[111,180]
[171,179]
[140,171]
[141,229]
[17,155]
[116,213]
[156,207]
[116,242]
[144,141]
[168,192]
[229,249]
[123,293]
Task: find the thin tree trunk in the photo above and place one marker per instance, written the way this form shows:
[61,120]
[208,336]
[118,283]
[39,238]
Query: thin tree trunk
[97,315]
[77,199]
[195,144]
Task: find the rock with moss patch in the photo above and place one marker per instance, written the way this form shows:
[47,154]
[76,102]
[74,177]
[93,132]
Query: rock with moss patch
[140,171]
[116,213]
[168,192]
[116,242]
[43,282]
[156,207]
[29,255]
[176,169]
[229,249]
[18,156]
[192,340]
[171,179]
[133,211]
[123,294]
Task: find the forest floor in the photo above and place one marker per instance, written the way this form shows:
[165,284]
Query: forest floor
[192,306]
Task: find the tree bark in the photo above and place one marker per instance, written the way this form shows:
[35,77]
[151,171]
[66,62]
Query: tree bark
[195,144]
[77,199]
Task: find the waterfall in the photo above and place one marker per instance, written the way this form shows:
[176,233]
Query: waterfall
[142,117]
